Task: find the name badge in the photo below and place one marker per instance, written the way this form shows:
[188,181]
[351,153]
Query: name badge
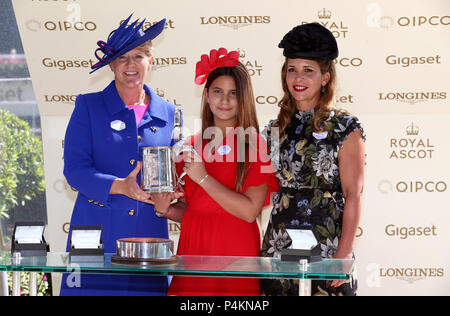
[118,125]
[224,150]
[320,136]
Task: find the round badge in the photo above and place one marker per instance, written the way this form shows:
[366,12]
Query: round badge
[224,150]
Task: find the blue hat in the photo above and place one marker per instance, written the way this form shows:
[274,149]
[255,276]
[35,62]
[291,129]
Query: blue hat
[125,39]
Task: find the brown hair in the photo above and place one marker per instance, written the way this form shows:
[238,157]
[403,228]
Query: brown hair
[246,110]
[325,105]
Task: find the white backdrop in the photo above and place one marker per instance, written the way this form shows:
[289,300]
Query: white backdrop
[392,72]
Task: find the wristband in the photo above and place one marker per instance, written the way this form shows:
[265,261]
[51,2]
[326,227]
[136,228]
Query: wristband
[161,214]
[202,180]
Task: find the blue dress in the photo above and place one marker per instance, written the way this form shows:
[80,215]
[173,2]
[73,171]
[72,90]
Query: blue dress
[102,143]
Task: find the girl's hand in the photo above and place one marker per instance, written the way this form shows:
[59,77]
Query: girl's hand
[194,168]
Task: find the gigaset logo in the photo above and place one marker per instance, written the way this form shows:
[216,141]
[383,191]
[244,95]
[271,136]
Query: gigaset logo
[170,24]
[65,64]
[407,61]
[404,233]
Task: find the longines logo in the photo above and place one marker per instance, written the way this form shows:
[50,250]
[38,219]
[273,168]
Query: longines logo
[408,61]
[234,22]
[59,98]
[163,62]
[253,66]
[337,27]
[170,24]
[412,97]
[66,64]
[404,233]
[412,146]
[174,227]
[411,275]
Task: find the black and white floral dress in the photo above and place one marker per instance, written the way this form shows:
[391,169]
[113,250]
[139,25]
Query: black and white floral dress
[310,192]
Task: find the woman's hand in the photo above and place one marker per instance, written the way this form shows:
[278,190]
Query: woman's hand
[340,255]
[130,188]
[162,201]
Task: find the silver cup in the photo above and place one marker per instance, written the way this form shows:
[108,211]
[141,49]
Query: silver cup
[158,168]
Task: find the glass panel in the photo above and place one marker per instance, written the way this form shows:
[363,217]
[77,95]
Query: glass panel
[253,267]
[22,186]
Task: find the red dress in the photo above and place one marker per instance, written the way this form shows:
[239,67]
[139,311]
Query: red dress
[208,230]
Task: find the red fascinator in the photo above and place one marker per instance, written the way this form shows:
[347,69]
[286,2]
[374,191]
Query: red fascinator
[216,59]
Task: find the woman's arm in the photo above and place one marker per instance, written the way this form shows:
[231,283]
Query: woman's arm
[246,206]
[351,168]
[163,206]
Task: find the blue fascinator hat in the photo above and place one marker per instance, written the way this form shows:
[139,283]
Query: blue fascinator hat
[124,39]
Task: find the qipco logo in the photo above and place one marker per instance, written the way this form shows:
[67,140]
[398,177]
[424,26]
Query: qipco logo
[66,26]
[349,62]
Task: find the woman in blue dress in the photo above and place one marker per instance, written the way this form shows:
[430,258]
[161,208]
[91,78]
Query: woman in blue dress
[102,156]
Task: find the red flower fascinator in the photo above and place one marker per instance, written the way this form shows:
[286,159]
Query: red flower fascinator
[216,59]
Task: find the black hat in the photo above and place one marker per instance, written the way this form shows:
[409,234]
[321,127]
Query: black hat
[310,41]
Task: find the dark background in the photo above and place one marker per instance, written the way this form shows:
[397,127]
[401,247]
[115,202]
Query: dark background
[9,34]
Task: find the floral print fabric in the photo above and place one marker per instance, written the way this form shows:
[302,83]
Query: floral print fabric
[311,193]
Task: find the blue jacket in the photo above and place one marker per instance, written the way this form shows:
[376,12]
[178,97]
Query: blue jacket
[102,143]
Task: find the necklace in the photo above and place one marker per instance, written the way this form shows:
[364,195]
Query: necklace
[141,102]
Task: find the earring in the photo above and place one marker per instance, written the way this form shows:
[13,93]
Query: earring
[323,89]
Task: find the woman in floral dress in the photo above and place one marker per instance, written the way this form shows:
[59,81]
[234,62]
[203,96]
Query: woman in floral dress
[319,155]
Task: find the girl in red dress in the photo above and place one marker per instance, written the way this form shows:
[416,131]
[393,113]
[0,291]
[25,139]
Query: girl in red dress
[228,188]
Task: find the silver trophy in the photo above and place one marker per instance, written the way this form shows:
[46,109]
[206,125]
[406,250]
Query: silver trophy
[158,163]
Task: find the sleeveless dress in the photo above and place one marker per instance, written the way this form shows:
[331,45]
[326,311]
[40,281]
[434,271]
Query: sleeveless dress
[209,230]
[310,192]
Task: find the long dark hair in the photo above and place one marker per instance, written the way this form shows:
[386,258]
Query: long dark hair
[246,110]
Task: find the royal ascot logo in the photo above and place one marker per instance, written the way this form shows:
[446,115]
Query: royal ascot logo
[404,233]
[170,24]
[164,62]
[161,93]
[235,21]
[412,146]
[336,26]
[67,64]
[253,66]
[412,97]
[408,61]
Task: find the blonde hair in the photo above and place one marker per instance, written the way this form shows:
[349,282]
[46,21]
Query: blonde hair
[147,48]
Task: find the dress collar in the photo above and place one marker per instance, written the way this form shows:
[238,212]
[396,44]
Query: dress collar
[115,104]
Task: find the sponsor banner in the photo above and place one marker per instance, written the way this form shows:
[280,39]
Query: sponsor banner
[392,74]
